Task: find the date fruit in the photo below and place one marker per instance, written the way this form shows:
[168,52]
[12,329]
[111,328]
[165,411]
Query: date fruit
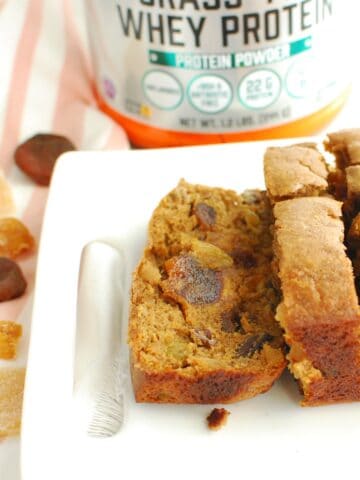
[37,156]
[196,284]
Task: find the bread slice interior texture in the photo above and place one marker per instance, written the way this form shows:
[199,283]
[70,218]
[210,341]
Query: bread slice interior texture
[202,326]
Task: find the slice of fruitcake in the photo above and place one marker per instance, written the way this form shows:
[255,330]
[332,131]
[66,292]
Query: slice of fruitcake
[202,327]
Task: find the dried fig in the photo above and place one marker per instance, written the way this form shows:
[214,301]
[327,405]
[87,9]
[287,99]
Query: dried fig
[12,281]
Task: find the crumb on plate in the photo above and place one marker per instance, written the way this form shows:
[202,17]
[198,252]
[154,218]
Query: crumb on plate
[217,418]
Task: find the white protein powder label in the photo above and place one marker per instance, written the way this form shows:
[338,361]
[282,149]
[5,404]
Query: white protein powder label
[217,66]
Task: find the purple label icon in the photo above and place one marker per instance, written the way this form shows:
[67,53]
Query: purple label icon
[109,88]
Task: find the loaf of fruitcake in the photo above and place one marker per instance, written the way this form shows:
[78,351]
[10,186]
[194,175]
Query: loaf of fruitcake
[202,326]
[319,310]
[310,257]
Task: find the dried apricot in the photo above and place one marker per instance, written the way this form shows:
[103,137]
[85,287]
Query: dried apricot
[12,281]
[37,156]
[210,255]
[10,332]
[15,238]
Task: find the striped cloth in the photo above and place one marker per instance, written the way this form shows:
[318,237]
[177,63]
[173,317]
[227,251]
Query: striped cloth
[46,85]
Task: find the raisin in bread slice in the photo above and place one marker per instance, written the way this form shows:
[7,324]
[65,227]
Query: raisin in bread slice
[202,326]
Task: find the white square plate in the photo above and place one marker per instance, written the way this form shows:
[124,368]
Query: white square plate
[98,195]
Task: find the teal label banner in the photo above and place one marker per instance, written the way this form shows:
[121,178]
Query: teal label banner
[225,61]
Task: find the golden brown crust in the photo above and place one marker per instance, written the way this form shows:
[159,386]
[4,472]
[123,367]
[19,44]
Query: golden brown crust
[294,171]
[202,327]
[217,386]
[332,390]
[319,310]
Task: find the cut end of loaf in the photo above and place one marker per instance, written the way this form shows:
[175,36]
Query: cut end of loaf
[319,310]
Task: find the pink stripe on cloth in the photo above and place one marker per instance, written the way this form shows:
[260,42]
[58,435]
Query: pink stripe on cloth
[20,76]
[75,85]
[117,139]
[34,212]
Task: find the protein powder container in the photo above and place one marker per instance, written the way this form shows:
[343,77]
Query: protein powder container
[181,72]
